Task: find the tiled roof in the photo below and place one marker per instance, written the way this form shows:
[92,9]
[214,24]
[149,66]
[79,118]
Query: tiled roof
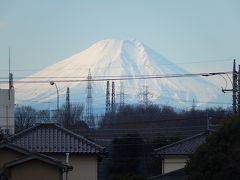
[27,156]
[173,175]
[52,138]
[37,156]
[8,145]
[184,147]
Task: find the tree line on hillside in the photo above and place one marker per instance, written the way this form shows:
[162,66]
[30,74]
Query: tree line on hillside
[154,120]
[130,118]
[26,116]
[132,157]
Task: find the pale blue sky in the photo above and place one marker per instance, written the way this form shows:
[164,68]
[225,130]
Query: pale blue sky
[41,33]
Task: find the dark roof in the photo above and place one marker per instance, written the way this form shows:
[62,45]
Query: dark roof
[8,145]
[52,138]
[173,175]
[40,157]
[183,147]
[27,156]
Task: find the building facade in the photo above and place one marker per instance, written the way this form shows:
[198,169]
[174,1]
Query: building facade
[17,163]
[175,156]
[60,143]
[7,111]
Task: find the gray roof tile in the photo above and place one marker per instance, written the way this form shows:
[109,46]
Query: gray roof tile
[52,138]
[173,175]
[41,157]
[27,155]
[184,147]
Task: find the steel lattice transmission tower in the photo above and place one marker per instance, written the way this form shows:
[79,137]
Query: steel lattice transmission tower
[113,97]
[146,96]
[193,105]
[121,96]
[107,98]
[89,109]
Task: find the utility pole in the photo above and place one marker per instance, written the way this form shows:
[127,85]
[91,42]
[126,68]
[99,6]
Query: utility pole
[235,88]
[235,77]
[67,107]
[238,91]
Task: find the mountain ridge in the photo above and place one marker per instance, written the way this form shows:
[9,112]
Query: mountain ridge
[118,58]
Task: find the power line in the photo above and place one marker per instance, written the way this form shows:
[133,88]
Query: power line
[133,77]
[116,76]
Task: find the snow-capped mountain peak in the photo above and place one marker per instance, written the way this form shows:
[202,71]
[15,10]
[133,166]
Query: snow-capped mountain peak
[111,58]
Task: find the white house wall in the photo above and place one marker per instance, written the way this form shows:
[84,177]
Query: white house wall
[172,163]
[7,110]
[85,167]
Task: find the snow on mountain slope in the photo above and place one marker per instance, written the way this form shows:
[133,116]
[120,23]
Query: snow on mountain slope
[116,58]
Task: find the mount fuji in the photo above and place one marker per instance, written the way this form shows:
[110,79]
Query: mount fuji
[111,59]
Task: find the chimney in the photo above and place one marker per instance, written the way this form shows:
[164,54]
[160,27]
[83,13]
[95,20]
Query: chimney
[67,158]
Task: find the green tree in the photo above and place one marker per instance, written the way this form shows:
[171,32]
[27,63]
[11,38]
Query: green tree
[1,134]
[219,157]
[127,152]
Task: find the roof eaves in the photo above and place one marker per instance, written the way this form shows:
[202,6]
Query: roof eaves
[14,147]
[156,151]
[40,157]
[23,132]
[39,125]
[176,173]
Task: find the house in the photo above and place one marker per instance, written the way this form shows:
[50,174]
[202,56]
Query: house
[174,156]
[17,163]
[55,141]
[173,175]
